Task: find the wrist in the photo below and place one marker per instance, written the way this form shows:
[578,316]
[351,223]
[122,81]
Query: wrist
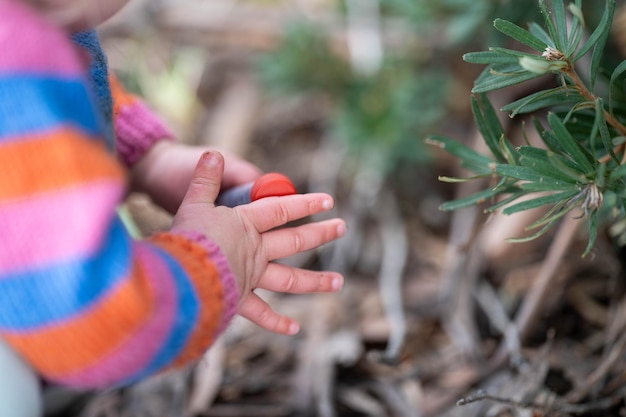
[145,171]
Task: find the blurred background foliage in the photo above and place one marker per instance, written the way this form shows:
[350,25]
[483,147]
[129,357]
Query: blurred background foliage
[390,107]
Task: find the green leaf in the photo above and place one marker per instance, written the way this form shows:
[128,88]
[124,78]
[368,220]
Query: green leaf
[557,211]
[499,76]
[566,165]
[601,127]
[519,34]
[506,201]
[618,173]
[471,200]
[603,26]
[535,235]
[470,159]
[593,232]
[496,55]
[547,18]
[488,124]
[542,99]
[580,156]
[542,161]
[528,174]
[617,72]
[536,187]
[548,137]
[489,57]
[539,202]
[560,21]
[455,180]
[598,49]
[509,151]
[541,34]
[576,31]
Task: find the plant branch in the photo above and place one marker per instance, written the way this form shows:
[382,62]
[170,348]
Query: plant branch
[589,96]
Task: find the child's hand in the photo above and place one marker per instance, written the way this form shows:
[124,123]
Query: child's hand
[246,236]
[166,170]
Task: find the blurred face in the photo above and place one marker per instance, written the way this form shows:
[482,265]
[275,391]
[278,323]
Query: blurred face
[78,15]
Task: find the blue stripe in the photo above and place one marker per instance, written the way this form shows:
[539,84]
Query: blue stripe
[57,292]
[188,308]
[34,103]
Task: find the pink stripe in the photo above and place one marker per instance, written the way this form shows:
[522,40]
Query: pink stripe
[29,43]
[137,352]
[137,128]
[51,226]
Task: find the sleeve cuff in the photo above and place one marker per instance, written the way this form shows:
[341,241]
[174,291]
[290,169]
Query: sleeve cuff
[136,130]
[227,278]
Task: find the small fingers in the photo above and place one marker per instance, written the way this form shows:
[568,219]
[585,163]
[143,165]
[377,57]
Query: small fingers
[286,242]
[260,313]
[271,212]
[282,278]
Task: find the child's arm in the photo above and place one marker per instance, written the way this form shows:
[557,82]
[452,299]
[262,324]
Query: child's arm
[160,166]
[79,299]
[136,127]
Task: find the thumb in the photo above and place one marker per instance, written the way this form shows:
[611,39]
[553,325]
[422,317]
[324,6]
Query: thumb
[207,178]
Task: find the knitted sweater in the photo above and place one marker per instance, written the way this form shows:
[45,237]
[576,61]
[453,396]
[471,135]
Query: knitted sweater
[80,300]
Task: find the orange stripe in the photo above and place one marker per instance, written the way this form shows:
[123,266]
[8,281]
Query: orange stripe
[84,340]
[121,97]
[55,160]
[208,287]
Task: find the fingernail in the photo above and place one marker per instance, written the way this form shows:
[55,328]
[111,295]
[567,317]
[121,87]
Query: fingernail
[337,283]
[210,159]
[294,328]
[327,204]
[341,229]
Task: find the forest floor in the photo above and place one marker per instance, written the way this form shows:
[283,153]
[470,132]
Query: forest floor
[439,315]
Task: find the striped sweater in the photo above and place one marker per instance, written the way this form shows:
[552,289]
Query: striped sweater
[81,301]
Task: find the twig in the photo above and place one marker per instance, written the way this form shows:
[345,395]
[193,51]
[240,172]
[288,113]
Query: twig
[343,348]
[393,399]
[464,259]
[306,371]
[496,314]
[534,300]
[601,370]
[208,376]
[550,406]
[395,253]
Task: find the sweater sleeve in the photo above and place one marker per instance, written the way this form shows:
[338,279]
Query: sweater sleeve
[80,300]
[136,127]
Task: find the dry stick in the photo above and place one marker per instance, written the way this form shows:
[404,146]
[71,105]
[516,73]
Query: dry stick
[488,300]
[460,273]
[533,301]
[394,399]
[344,348]
[325,168]
[549,406]
[601,370]
[208,375]
[321,366]
[369,190]
[529,310]
[395,253]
